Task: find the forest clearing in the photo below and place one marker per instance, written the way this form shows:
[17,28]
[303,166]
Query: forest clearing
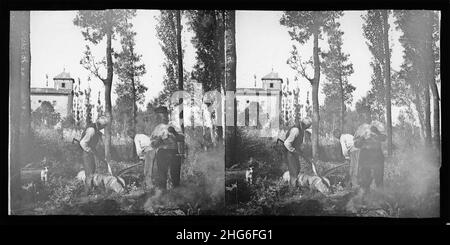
[197,112]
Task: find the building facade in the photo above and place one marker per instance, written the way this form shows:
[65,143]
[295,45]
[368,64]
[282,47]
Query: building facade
[260,108]
[60,96]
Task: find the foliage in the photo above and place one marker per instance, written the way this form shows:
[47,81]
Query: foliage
[354,120]
[302,25]
[406,134]
[337,89]
[129,89]
[45,115]
[64,156]
[251,149]
[417,67]
[62,192]
[373,31]
[167,34]
[208,41]
[77,102]
[96,25]
[100,111]
[369,109]
[146,120]
[88,106]
[69,122]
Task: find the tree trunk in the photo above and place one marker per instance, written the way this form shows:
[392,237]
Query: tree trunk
[180,65]
[19,101]
[14,109]
[436,112]
[432,82]
[419,110]
[108,86]
[436,121]
[220,74]
[133,95]
[387,77]
[315,97]
[342,121]
[427,115]
[230,45]
[134,115]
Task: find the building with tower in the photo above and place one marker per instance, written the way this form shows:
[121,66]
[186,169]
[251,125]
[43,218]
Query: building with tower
[260,107]
[60,96]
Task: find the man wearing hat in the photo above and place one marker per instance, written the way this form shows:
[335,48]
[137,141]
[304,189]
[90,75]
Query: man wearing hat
[89,139]
[293,142]
[368,138]
[165,139]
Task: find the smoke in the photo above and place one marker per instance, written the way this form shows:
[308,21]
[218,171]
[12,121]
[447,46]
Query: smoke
[201,188]
[411,186]
[413,178]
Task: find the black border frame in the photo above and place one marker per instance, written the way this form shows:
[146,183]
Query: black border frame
[229,222]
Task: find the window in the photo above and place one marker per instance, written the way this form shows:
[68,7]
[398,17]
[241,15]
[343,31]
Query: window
[63,85]
[54,103]
[271,85]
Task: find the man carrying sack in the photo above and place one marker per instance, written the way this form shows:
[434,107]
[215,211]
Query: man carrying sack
[89,139]
[368,139]
[293,142]
[166,158]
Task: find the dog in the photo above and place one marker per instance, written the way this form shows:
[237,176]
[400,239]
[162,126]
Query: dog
[44,174]
[249,175]
[81,176]
[286,177]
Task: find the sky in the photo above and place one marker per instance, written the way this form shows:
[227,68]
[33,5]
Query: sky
[57,44]
[262,45]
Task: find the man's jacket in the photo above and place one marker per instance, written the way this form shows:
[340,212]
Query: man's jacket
[294,138]
[90,137]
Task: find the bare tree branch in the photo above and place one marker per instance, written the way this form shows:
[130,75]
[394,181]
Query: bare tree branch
[92,67]
[302,72]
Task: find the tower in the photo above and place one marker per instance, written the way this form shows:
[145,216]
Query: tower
[63,81]
[271,81]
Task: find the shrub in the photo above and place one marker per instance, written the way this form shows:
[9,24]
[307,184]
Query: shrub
[45,115]
[63,192]
[63,158]
[69,122]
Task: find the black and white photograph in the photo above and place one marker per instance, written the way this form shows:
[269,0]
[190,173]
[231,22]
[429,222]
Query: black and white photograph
[166,112]
[356,129]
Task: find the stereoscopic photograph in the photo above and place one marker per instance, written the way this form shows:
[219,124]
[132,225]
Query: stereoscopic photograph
[225,112]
